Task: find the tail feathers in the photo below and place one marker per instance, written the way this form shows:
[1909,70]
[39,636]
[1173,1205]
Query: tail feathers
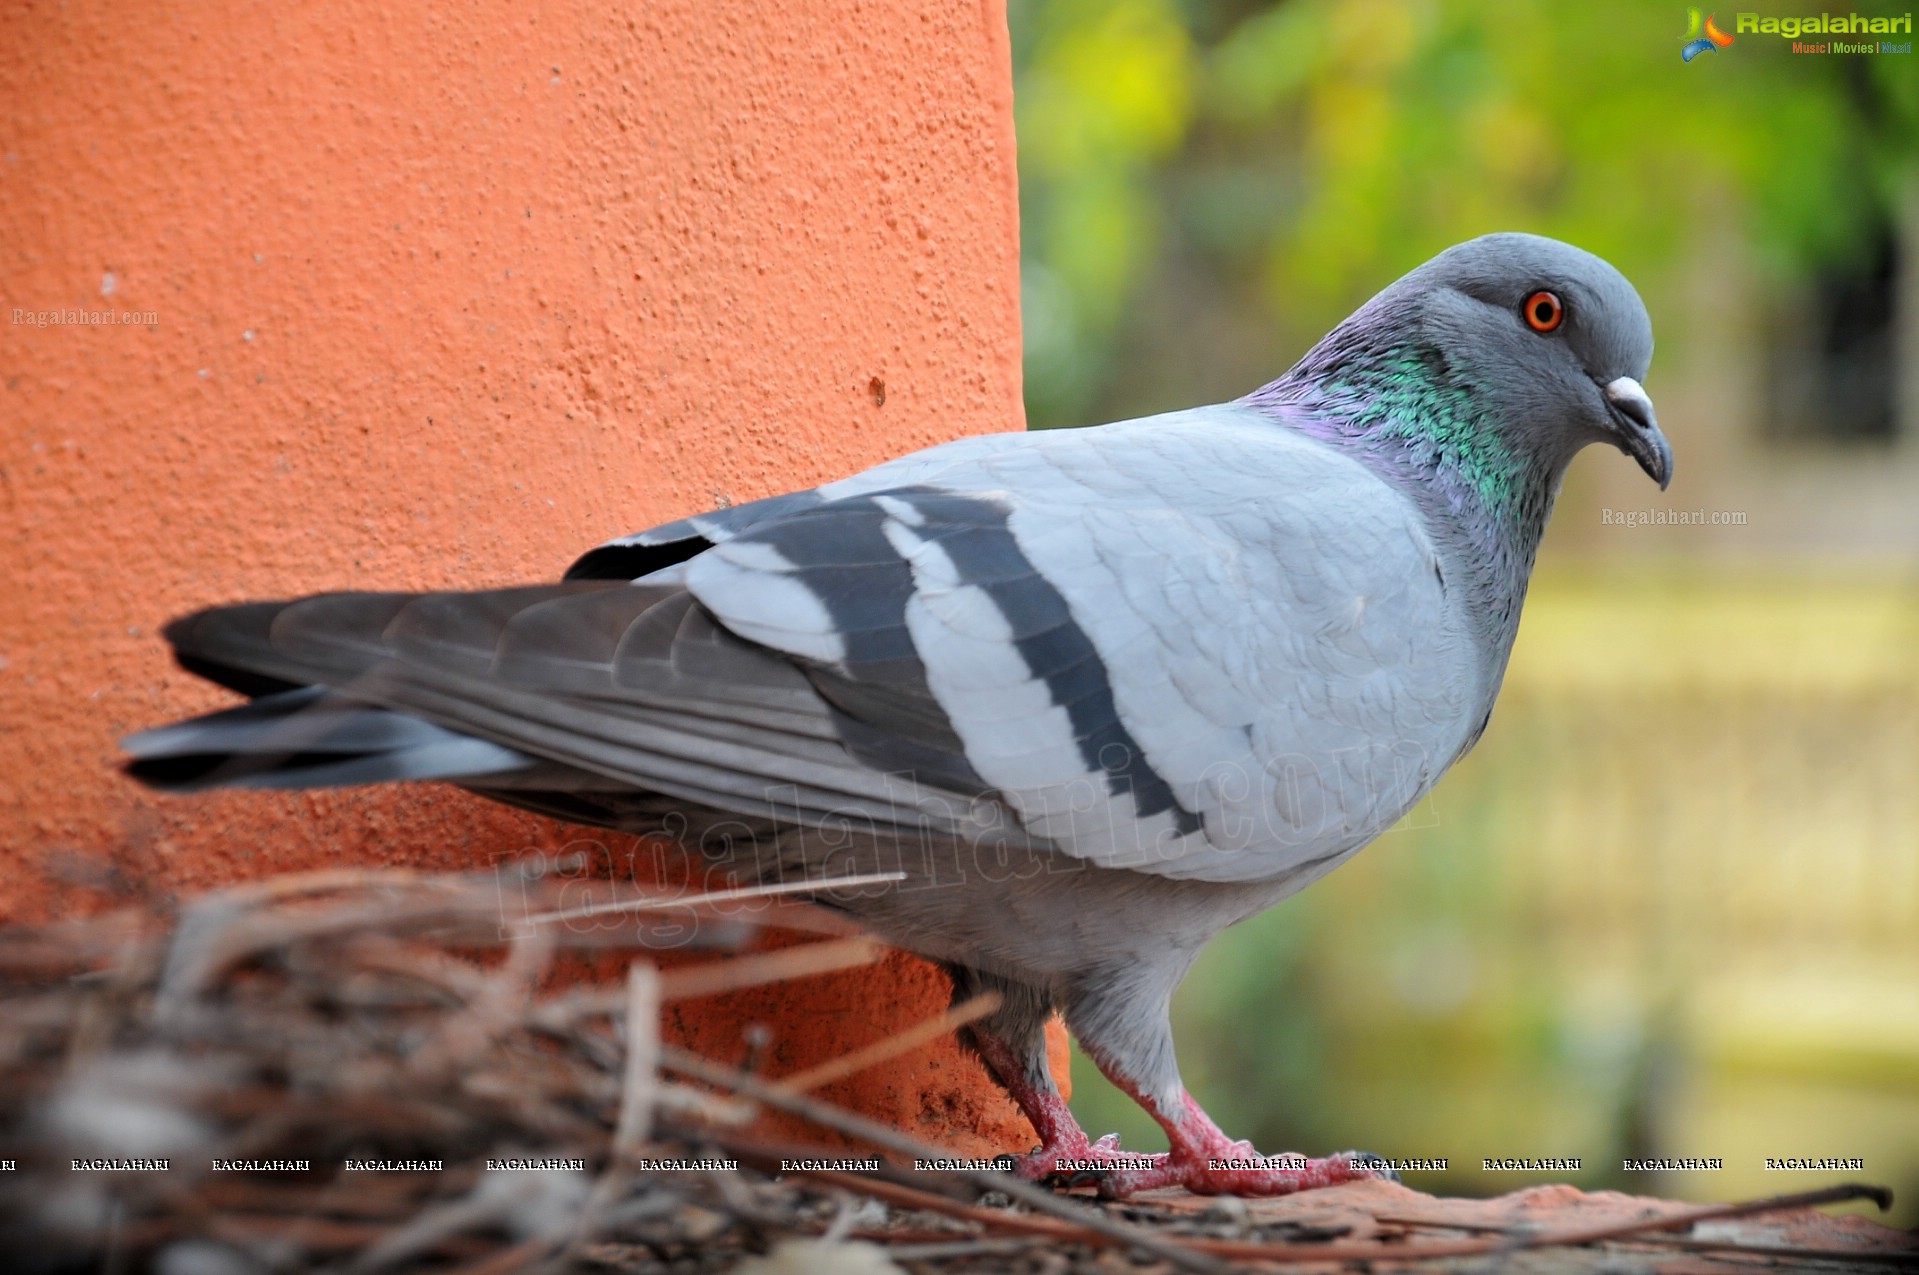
[602,700]
[309,737]
[262,648]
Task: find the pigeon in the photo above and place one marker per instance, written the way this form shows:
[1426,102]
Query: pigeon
[1089,695]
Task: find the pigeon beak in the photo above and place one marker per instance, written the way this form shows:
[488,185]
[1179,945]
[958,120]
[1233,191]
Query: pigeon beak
[1639,435]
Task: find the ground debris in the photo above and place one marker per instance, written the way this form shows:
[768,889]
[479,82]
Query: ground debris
[366,1071]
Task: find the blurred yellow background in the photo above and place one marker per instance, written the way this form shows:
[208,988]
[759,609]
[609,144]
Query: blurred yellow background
[1670,906]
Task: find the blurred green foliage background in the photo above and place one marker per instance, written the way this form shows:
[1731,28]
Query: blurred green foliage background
[1671,905]
[1216,184]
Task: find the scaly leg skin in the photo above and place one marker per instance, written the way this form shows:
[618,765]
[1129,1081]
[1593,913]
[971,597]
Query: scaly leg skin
[1061,1138]
[1203,1159]
[1124,1029]
[1011,1041]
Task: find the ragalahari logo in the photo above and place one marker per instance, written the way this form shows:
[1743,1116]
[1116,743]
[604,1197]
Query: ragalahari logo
[1702,37]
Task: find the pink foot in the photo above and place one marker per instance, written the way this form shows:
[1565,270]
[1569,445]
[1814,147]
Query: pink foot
[1203,1160]
[1241,1171]
[1206,1162]
[1073,1161]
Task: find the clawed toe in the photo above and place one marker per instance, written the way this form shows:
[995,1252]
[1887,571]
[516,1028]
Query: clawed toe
[1089,1164]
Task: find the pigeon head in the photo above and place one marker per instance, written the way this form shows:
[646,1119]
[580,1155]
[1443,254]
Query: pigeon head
[1553,335]
[1482,373]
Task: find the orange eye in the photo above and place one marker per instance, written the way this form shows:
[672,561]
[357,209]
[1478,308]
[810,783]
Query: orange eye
[1543,312]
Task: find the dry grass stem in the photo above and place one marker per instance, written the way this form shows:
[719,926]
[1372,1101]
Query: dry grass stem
[878,1052]
[742,894]
[324,1035]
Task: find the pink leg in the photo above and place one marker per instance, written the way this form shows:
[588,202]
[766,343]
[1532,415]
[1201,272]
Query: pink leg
[1061,1138]
[1203,1159]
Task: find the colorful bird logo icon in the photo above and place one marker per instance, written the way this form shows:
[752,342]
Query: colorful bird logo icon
[1696,43]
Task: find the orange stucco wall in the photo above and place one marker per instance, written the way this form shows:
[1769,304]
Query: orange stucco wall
[437,297]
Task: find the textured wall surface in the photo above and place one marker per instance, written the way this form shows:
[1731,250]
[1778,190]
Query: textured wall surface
[426,299]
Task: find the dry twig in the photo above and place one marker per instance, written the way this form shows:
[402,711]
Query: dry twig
[394,1016]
